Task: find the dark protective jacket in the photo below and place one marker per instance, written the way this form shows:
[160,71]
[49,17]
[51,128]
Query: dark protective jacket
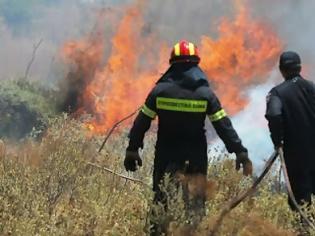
[182,99]
[291,116]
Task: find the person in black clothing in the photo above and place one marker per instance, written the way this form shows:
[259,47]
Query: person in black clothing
[182,99]
[291,116]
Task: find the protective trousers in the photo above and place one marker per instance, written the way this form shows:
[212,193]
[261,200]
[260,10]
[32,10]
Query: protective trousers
[303,186]
[186,168]
[301,175]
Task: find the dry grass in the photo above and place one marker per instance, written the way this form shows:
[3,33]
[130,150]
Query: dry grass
[47,188]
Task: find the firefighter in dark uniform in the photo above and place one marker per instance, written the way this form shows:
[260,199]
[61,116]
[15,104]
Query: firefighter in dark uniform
[291,116]
[182,99]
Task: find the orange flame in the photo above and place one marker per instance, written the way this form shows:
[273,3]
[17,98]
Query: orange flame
[243,55]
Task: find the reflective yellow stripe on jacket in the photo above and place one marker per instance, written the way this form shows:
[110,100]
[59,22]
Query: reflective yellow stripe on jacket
[182,105]
[217,116]
[147,111]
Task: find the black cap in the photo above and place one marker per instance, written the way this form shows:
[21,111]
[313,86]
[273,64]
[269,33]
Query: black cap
[290,60]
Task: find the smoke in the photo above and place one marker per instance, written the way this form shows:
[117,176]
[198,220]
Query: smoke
[54,23]
[165,21]
[171,20]
[176,19]
[293,22]
[251,124]
[238,54]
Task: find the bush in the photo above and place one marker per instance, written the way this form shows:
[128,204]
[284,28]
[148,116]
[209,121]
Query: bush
[25,107]
[49,188]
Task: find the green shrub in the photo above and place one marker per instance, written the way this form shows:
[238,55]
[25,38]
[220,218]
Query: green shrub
[25,108]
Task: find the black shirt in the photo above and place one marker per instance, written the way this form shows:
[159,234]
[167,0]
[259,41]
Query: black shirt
[291,116]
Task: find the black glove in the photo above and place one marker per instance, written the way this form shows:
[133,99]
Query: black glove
[132,160]
[242,159]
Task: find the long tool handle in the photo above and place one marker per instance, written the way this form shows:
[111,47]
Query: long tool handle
[237,200]
[115,126]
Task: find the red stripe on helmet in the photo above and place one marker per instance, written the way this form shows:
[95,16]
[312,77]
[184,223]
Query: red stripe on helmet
[184,48]
[184,51]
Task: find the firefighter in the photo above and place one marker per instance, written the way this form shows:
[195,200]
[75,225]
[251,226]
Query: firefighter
[291,118]
[182,99]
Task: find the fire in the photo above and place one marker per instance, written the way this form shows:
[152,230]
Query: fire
[115,85]
[243,55]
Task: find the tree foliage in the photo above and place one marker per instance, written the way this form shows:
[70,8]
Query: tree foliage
[24,107]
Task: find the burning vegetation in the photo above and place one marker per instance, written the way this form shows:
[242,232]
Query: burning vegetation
[111,78]
[51,188]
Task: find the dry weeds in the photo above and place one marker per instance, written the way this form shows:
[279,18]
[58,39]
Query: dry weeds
[48,189]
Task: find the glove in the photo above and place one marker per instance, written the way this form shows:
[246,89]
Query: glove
[242,159]
[132,160]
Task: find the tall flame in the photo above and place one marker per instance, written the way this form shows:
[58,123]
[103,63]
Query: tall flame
[243,55]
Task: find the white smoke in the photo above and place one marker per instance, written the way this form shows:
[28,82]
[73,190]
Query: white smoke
[170,20]
[294,22]
[251,124]
[54,24]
